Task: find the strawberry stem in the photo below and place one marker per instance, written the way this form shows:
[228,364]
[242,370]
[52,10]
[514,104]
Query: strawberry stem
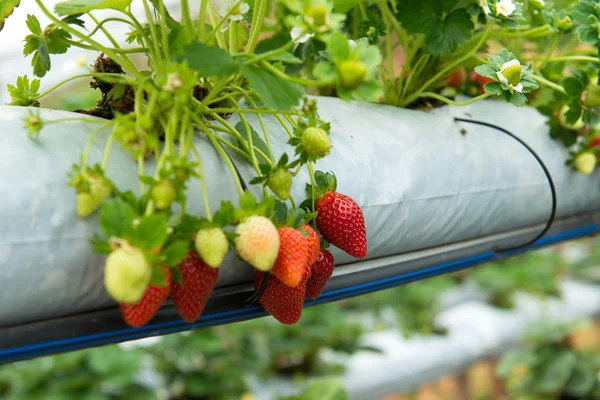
[263,286]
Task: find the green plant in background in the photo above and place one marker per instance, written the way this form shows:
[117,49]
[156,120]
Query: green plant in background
[296,349]
[107,373]
[588,267]
[535,273]
[415,305]
[322,389]
[549,367]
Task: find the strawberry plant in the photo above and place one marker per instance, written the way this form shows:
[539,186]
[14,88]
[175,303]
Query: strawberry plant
[433,51]
[550,367]
[203,70]
[534,273]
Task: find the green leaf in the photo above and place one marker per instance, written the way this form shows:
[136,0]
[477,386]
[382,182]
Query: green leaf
[494,88]
[273,42]
[116,218]
[24,93]
[582,381]
[52,40]
[343,6]
[82,6]
[573,86]
[324,389]
[516,99]
[453,31]
[256,139]
[100,245]
[557,371]
[248,201]
[6,9]
[487,70]
[224,215]
[277,93]
[151,233]
[174,254]
[208,60]
[512,359]
[338,48]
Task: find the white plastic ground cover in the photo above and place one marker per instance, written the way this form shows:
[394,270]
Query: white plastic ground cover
[420,182]
[476,331]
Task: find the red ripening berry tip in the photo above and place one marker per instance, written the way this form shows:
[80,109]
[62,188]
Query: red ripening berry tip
[321,272]
[281,301]
[140,313]
[198,282]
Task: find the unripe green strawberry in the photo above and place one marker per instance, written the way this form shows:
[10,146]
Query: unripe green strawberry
[163,194]
[591,97]
[86,204]
[280,182]
[585,163]
[257,242]
[212,245]
[352,73]
[562,120]
[316,16]
[316,142]
[127,274]
[100,189]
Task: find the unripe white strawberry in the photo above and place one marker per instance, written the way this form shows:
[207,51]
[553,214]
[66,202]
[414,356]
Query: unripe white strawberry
[585,163]
[211,244]
[257,242]
[127,273]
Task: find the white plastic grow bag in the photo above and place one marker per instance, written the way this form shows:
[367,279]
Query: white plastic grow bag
[421,184]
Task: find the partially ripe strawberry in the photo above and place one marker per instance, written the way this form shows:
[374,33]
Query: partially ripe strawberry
[314,244]
[163,194]
[140,313]
[257,242]
[198,282]
[316,142]
[212,245]
[292,260]
[86,204]
[279,181]
[127,274]
[320,274]
[341,222]
[281,301]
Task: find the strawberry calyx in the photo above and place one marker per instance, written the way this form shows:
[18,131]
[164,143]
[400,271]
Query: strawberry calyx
[324,183]
[249,207]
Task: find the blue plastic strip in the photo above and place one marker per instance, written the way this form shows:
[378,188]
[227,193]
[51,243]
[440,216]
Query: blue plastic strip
[69,344]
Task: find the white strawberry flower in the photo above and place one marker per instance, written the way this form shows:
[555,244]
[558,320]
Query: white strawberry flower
[483,4]
[505,8]
[236,11]
[510,74]
[297,37]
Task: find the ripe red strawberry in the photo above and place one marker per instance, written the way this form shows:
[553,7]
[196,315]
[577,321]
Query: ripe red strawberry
[341,222]
[456,78]
[314,244]
[321,272]
[293,256]
[140,313]
[198,282]
[281,301]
